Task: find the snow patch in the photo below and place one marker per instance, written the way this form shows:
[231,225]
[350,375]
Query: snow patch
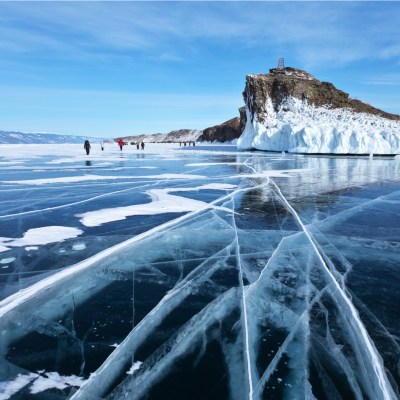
[162,202]
[43,235]
[79,246]
[135,366]
[7,260]
[54,380]
[31,248]
[8,389]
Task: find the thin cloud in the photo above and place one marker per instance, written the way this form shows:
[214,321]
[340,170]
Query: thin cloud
[340,32]
[385,80]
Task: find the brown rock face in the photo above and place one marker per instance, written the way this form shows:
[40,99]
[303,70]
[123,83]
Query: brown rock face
[281,83]
[226,131]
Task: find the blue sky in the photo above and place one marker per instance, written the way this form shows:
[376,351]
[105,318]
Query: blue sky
[120,68]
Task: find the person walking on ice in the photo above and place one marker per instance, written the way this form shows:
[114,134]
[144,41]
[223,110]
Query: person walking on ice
[121,144]
[86,146]
[142,145]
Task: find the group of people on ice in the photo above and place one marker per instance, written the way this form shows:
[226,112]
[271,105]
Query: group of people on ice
[120,142]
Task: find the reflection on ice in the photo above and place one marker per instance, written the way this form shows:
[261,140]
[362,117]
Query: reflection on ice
[264,278]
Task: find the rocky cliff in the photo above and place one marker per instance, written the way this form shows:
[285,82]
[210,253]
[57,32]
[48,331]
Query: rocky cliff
[280,84]
[227,131]
[290,110]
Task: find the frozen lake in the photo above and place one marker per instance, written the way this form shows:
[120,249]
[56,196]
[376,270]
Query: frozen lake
[197,273]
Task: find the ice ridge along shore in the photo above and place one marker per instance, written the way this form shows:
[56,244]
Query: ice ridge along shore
[290,110]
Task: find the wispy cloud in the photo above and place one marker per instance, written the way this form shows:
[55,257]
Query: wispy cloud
[385,80]
[313,31]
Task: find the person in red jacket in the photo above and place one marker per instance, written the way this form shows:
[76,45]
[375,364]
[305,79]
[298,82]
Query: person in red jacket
[121,144]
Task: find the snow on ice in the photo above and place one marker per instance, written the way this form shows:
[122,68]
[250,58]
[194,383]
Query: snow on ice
[43,235]
[162,202]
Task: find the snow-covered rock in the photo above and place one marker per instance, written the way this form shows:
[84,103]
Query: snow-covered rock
[299,114]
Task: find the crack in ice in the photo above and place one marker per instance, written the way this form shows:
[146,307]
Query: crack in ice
[385,389]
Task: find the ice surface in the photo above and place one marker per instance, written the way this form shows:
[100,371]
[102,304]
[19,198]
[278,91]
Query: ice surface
[299,127]
[71,179]
[219,274]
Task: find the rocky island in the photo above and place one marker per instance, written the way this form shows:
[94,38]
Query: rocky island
[290,110]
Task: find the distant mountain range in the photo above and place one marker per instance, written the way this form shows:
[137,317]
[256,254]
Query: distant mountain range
[181,135]
[228,131]
[42,138]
